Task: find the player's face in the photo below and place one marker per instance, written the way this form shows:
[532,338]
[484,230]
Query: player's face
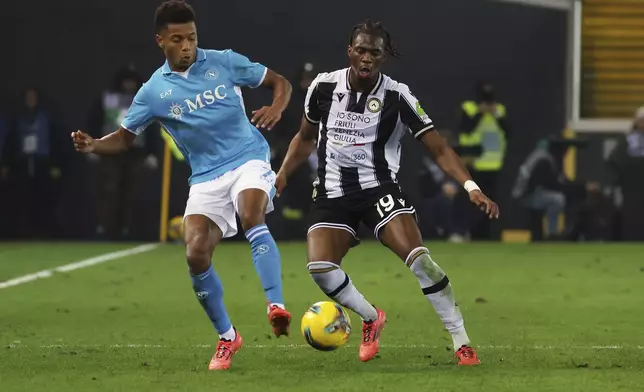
[366,54]
[179,44]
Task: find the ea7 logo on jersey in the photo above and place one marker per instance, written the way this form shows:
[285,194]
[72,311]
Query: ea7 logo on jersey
[166,93]
[208,96]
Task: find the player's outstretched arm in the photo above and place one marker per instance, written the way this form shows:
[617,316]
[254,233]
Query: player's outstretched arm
[268,116]
[451,164]
[301,146]
[446,157]
[112,143]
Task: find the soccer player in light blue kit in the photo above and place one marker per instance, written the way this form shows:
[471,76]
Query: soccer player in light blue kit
[196,96]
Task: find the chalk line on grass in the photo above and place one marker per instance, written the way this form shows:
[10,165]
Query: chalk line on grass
[77,265]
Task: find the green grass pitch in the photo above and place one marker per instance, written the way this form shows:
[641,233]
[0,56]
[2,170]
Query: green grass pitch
[543,317]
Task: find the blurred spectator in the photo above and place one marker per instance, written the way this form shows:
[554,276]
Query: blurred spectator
[484,123]
[33,149]
[597,216]
[118,174]
[441,212]
[539,184]
[542,186]
[627,163]
[438,215]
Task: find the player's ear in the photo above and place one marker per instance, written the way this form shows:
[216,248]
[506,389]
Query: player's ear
[349,50]
[159,40]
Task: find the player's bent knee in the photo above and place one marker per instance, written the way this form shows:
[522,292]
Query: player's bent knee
[328,276]
[252,207]
[401,235]
[250,219]
[197,256]
[320,267]
[421,264]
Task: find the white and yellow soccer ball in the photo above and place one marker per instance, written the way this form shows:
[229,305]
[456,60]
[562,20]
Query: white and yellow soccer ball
[326,326]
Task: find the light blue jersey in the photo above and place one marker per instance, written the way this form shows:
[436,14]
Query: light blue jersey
[203,110]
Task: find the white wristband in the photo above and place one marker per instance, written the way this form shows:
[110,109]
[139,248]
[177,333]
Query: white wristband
[471,186]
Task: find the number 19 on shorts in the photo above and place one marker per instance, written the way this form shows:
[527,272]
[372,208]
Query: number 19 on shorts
[385,204]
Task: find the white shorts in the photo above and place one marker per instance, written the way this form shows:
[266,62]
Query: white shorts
[217,199]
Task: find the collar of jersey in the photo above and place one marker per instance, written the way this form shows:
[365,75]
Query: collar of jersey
[201,57]
[375,88]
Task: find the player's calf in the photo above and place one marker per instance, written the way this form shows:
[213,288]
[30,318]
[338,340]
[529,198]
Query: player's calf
[200,243]
[266,257]
[438,291]
[337,285]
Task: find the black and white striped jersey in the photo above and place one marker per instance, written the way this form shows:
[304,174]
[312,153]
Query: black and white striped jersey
[359,134]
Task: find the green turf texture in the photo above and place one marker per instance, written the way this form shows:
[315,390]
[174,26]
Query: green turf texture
[545,318]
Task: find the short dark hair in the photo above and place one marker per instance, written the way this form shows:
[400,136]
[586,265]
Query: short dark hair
[173,12]
[375,28]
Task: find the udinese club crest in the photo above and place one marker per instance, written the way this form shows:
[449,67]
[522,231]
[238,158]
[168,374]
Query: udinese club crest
[374,105]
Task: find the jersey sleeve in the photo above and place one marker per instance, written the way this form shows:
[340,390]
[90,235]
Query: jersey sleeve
[412,114]
[139,115]
[244,72]
[311,108]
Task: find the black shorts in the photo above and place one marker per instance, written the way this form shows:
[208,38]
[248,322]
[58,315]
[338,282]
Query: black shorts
[374,207]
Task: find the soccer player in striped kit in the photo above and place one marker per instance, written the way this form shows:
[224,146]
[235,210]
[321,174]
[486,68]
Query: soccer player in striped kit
[358,116]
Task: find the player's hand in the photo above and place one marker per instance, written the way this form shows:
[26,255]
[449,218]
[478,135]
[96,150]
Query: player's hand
[280,183]
[83,142]
[266,117]
[485,204]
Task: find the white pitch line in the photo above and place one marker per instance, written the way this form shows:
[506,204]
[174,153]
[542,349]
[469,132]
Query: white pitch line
[77,265]
[18,344]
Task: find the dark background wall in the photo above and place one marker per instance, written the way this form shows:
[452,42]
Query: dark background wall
[71,49]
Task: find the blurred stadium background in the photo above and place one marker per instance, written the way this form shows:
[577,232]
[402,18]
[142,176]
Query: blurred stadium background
[568,72]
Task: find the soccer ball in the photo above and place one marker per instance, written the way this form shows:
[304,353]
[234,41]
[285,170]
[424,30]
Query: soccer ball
[326,326]
[175,228]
